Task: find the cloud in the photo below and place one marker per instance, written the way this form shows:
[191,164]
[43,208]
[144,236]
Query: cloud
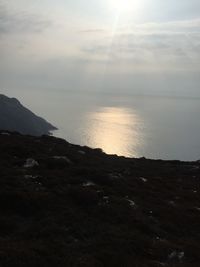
[169,45]
[20,22]
[93,31]
[180,26]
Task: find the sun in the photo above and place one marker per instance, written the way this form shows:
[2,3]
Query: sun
[124,6]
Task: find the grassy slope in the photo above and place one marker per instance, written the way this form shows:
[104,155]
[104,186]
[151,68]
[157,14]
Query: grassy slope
[49,217]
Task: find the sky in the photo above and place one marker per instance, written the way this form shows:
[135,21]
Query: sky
[138,46]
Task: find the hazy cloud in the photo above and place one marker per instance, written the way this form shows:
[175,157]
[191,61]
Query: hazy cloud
[170,44]
[85,40]
[92,31]
[12,22]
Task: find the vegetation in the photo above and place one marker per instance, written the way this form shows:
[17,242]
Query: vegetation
[75,206]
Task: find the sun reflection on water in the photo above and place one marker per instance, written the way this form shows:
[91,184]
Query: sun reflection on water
[116,130]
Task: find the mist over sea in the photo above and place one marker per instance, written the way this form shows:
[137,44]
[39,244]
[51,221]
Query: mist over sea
[153,126]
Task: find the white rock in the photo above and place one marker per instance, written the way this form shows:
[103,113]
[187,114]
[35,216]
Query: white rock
[30,176]
[172,255]
[88,184]
[63,158]
[194,167]
[106,199]
[181,255]
[143,179]
[81,152]
[115,175]
[131,202]
[177,255]
[5,133]
[30,163]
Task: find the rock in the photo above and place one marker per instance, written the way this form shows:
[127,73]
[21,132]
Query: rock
[58,162]
[143,179]
[30,176]
[15,117]
[88,184]
[115,175]
[30,163]
[81,152]
[176,256]
[62,158]
[131,202]
[4,133]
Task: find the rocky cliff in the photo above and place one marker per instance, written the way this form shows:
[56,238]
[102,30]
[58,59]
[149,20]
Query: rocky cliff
[15,117]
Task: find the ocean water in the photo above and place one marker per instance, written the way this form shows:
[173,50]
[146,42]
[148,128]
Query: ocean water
[158,127]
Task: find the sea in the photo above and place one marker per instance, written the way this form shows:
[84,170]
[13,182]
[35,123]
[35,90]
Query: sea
[131,125]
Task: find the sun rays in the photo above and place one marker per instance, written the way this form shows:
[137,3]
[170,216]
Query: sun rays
[125,7]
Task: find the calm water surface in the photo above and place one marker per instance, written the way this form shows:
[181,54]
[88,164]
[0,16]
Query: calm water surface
[134,126]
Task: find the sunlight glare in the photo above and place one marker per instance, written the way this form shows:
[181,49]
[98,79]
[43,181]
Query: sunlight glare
[112,128]
[124,6]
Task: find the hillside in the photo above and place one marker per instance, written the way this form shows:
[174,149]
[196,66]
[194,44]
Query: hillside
[15,117]
[66,205]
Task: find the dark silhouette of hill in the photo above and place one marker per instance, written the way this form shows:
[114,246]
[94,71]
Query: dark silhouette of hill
[66,205]
[15,117]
